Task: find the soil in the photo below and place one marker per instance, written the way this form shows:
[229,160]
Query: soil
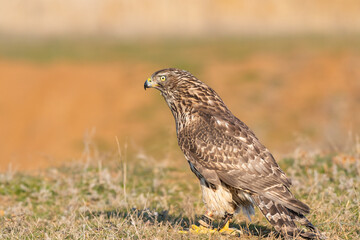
[48,109]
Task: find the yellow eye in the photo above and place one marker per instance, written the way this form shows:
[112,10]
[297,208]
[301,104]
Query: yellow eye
[162,78]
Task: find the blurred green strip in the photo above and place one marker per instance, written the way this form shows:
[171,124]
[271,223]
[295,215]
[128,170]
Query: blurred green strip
[179,52]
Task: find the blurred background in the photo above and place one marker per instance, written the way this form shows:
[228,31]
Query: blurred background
[72,73]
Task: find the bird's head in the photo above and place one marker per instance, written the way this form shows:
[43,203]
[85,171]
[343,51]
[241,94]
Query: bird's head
[182,90]
[170,80]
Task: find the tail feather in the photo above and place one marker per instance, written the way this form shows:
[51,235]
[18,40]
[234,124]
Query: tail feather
[281,194]
[284,219]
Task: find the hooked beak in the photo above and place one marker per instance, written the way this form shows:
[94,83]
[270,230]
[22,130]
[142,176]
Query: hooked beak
[149,83]
[146,85]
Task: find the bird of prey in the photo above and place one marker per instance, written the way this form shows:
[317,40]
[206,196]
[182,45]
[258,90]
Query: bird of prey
[235,170]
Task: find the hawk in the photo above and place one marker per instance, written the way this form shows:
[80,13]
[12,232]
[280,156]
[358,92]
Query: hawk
[235,170]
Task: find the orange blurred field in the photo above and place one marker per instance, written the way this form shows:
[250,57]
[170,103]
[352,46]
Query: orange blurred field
[48,107]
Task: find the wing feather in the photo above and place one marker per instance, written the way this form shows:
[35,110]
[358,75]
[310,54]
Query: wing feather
[230,149]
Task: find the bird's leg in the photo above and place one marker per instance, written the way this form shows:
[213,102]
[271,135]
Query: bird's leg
[206,220]
[205,224]
[224,224]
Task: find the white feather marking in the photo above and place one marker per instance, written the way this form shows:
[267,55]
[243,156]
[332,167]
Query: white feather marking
[242,139]
[244,166]
[220,201]
[276,216]
[269,205]
[222,123]
[217,201]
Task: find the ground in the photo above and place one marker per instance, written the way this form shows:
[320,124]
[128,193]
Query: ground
[125,195]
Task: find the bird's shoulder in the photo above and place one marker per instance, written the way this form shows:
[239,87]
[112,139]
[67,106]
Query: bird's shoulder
[219,129]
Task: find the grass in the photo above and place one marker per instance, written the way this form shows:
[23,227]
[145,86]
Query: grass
[137,197]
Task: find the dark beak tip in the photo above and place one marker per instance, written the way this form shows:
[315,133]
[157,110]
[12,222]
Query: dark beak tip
[145,86]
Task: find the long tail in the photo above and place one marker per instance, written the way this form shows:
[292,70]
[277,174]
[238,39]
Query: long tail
[283,219]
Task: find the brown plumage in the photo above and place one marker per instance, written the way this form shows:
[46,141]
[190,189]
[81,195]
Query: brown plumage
[235,170]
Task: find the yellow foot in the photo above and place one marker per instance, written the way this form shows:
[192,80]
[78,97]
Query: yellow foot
[199,230]
[229,231]
[203,230]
